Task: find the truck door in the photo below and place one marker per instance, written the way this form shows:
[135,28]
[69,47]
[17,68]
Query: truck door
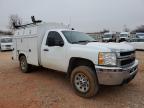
[52,55]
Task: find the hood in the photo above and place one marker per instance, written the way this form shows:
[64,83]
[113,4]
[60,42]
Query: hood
[114,47]
[107,38]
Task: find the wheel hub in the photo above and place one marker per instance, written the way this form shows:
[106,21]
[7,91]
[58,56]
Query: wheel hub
[81,82]
[23,64]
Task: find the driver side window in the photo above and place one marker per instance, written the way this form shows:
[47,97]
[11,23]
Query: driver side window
[53,38]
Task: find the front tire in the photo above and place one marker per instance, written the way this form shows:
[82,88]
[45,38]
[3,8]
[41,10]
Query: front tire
[84,81]
[25,67]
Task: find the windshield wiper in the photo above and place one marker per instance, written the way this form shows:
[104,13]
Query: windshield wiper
[93,41]
[85,41]
[88,41]
[80,41]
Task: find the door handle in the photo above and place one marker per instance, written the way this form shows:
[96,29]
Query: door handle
[46,50]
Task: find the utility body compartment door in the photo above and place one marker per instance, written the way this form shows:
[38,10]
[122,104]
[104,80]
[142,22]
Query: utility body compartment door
[33,51]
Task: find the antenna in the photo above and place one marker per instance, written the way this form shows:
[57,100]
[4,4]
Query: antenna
[69,22]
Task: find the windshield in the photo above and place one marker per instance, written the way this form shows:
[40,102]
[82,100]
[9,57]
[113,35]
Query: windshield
[77,37]
[137,40]
[107,36]
[6,40]
[140,35]
[123,35]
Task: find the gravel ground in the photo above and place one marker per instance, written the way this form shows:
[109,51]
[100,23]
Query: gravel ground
[45,88]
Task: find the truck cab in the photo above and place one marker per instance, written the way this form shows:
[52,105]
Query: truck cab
[124,36]
[109,37]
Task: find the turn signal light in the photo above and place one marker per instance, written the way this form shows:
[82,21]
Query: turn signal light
[100,59]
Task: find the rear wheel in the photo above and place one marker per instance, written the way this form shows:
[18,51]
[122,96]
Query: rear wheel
[84,81]
[25,67]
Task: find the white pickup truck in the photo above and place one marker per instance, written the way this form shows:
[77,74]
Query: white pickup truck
[89,64]
[124,36]
[5,43]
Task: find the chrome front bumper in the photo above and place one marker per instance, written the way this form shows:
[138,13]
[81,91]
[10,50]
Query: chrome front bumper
[116,75]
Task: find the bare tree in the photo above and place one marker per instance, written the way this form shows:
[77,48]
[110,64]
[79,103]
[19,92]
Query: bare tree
[104,31]
[14,20]
[139,29]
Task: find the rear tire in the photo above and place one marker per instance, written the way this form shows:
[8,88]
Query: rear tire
[25,67]
[84,81]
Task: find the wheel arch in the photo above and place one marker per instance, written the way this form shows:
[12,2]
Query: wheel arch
[21,54]
[78,61]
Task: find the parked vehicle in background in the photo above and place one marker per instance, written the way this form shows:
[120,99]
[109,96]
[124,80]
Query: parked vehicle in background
[96,36]
[124,36]
[5,43]
[109,37]
[140,35]
[88,63]
[137,43]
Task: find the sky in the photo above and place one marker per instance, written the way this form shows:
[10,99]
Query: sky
[83,15]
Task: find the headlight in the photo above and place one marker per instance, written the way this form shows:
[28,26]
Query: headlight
[107,58]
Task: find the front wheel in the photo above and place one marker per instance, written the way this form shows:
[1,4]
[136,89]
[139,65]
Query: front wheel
[25,67]
[84,81]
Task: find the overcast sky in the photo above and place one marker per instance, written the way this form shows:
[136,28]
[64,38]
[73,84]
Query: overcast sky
[85,15]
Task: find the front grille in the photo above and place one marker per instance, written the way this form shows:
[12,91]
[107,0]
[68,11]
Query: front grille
[126,58]
[126,53]
[127,61]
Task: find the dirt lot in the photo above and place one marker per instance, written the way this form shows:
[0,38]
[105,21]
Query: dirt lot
[50,89]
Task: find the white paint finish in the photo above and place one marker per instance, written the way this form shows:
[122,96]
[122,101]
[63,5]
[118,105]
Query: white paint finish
[138,45]
[113,46]
[32,51]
